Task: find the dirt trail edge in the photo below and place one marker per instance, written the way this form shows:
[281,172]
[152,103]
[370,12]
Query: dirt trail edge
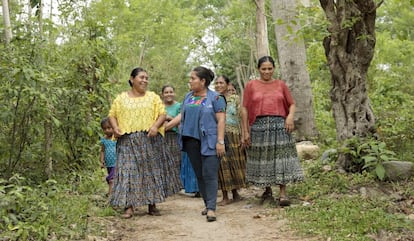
[182,220]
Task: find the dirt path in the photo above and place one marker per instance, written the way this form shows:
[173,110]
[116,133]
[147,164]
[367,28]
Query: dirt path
[182,220]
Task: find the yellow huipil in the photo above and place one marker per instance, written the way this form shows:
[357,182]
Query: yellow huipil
[137,113]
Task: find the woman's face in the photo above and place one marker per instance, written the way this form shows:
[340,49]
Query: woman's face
[168,95]
[196,84]
[220,85]
[140,81]
[231,90]
[266,70]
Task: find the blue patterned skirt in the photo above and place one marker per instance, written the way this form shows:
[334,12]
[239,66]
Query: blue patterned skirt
[145,171]
[272,158]
[171,139]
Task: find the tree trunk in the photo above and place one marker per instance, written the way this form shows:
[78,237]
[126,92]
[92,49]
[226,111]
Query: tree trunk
[6,20]
[292,60]
[262,40]
[47,147]
[349,50]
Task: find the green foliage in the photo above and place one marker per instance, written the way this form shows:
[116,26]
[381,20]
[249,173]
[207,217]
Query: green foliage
[147,34]
[392,93]
[43,212]
[368,154]
[335,209]
[65,77]
[234,50]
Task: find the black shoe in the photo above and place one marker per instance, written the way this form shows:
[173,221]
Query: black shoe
[211,218]
[204,212]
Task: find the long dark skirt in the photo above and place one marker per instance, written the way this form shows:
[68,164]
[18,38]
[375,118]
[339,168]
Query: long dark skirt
[145,171]
[272,158]
[232,170]
[172,142]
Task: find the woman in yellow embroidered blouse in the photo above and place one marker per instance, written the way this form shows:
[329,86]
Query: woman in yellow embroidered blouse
[145,173]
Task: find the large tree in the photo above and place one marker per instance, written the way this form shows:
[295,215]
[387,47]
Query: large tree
[292,60]
[349,49]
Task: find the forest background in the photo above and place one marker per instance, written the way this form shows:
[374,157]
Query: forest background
[66,60]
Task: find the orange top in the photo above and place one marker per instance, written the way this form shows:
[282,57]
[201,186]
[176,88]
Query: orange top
[262,98]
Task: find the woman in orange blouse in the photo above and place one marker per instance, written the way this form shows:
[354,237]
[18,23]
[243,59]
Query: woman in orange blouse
[145,173]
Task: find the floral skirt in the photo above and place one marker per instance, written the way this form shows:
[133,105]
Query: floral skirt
[145,171]
[232,169]
[272,158]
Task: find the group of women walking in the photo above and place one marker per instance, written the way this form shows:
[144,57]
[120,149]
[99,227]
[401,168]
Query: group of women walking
[229,143]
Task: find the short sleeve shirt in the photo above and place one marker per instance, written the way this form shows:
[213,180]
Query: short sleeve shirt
[266,98]
[191,112]
[173,110]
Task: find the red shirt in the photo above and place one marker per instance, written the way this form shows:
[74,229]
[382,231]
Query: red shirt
[266,98]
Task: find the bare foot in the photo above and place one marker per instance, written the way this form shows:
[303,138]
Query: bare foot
[224,202]
[129,212]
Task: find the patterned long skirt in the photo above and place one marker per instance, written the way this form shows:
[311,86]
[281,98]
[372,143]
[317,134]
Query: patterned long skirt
[187,175]
[172,142]
[272,158]
[232,171]
[145,171]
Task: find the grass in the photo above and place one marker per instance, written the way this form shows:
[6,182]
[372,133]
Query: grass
[338,211]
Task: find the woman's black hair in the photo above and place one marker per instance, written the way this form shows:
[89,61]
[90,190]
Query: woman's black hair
[166,86]
[265,59]
[226,79]
[204,73]
[135,72]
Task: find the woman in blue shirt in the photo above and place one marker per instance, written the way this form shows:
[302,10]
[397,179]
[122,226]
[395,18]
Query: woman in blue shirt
[202,124]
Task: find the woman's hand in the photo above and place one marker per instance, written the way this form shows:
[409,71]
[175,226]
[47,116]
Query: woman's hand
[220,149]
[289,123]
[153,131]
[245,140]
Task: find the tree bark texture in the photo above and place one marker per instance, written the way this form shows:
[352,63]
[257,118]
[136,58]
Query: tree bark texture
[349,50]
[262,40]
[6,20]
[292,60]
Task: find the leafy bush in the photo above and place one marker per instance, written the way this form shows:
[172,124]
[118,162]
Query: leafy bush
[368,155]
[49,211]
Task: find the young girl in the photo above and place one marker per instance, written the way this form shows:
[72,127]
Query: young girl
[108,151]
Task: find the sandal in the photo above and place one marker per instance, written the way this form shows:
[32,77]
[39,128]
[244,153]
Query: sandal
[211,216]
[224,202]
[284,202]
[128,213]
[204,212]
[153,211]
[266,195]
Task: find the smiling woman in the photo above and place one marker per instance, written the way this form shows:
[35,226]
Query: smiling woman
[145,173]
[267,122]
[173,109]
